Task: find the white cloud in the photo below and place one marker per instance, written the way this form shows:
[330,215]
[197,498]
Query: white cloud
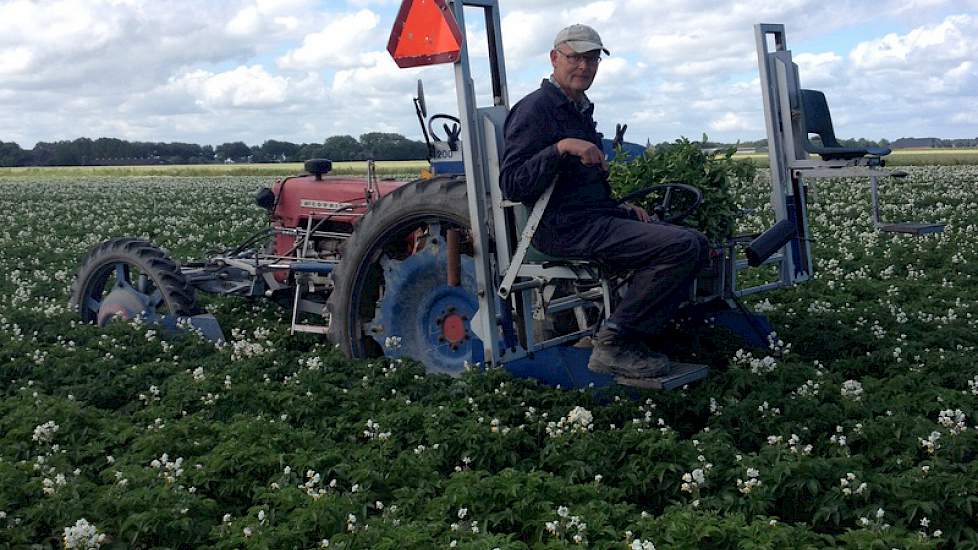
[274,7]
[248,21]
[288,23]
[379,70]
[819,69]
[920,81]
[304,69]
[525,36]
[592,13]
[15,60]
[615,71]
[731,122]
[912,7]
[955,38]
[338,44]
[968,115]
[247,87]
[373,96]
[106,46]
[367,3]
[671,87]
[264,19]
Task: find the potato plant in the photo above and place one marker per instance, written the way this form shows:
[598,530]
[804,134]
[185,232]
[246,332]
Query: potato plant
[714,174]
[856,428]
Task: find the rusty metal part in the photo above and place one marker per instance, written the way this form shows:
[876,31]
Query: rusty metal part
[454,258]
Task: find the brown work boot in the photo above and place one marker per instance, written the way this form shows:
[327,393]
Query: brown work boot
[625,358]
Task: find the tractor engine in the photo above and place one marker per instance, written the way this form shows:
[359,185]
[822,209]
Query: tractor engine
[326,209]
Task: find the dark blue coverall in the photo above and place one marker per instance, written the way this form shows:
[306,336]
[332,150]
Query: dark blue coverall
[582,221]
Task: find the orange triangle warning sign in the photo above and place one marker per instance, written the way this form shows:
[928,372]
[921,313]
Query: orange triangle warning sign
[425,33]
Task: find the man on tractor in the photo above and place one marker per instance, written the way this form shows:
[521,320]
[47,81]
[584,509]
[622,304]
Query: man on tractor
[551,138]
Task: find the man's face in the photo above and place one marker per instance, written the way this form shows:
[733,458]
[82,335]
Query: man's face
[573,71]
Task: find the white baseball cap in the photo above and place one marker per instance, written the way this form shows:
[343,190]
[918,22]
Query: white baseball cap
[580,38]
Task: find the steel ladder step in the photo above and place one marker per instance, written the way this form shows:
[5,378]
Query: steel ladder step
[913,228]
[680,375]
[314,329]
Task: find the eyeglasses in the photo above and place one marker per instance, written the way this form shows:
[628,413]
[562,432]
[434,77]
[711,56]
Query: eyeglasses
[576,58]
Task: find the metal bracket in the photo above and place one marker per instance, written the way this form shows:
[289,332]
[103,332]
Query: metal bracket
[528,231]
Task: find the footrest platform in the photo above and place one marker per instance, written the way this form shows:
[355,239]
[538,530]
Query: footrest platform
[680,375]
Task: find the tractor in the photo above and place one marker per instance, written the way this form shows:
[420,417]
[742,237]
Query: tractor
[441,269]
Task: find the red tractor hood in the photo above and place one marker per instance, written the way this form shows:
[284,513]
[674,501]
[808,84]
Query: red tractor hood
[343,199]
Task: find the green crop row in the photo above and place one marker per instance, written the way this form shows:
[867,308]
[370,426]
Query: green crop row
[407,169]
[857,428]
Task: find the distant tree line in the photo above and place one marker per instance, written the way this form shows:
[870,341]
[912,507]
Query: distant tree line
[111,151]
[375,145]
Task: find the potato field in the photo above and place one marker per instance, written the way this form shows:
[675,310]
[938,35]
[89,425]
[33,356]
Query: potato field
[856,428]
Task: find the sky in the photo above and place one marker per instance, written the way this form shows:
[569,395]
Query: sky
[215,71]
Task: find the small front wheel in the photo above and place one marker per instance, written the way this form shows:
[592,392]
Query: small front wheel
[128,277]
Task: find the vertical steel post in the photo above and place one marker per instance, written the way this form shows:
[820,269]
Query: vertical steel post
[785,135]
[777,156]
[473,153]
[497,63]
[874,185]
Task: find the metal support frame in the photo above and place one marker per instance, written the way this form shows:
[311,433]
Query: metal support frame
[504,274]
[481,146]
[516,262]
[510,261]
[476,172]
[779,90]
[301,278]
[790,163]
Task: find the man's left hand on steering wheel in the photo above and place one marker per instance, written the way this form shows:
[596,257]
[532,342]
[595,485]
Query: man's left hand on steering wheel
[636,211]
[662,211]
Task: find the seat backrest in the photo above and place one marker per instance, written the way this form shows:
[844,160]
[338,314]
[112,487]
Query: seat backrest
[817,118]
[493,121]
[514,216]
[509,221]
[496,118]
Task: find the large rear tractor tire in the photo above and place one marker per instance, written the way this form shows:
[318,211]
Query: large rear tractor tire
[127,277]
[391,295]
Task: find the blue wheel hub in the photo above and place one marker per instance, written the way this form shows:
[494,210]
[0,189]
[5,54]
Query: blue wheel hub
[420,316]
[126,302]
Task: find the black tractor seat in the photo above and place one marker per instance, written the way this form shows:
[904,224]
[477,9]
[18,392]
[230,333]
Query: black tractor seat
[818,121]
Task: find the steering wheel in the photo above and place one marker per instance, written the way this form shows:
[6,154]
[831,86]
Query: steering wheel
[451,133]
[660,210]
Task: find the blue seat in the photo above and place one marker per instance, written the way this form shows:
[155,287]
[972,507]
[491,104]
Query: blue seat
[818,121]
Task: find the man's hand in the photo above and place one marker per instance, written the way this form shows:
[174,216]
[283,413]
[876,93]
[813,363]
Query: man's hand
[637,211]
[588,152]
